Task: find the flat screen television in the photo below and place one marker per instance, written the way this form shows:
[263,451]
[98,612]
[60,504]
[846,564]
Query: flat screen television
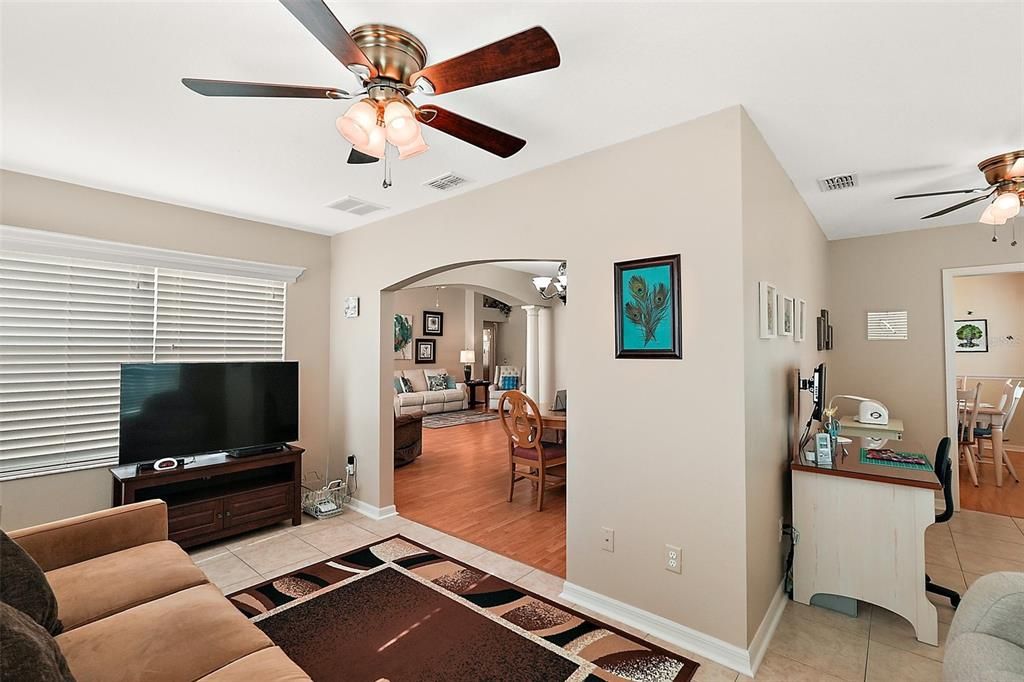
[193,408]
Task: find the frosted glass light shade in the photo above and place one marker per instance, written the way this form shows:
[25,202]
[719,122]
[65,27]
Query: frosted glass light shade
[414,148]
[991,217]
[401,127]
[375,143]
[358,122]
[541,283]
[1006,205]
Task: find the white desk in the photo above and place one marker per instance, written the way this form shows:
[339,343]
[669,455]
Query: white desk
[861,535]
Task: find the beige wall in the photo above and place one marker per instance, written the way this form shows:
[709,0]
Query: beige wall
[999,299]
[646,465]
[34,202]
[782,244]
[901,271]
[452,302]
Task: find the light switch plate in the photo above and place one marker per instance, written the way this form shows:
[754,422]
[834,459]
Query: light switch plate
[608,539]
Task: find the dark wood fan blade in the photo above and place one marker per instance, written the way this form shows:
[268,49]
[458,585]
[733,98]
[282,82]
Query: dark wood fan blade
[212,88]
[318,19]
[359,157]
[939,194]
[527,52]
[958,206]
[468,130]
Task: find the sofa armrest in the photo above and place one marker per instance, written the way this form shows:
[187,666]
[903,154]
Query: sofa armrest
[79,538]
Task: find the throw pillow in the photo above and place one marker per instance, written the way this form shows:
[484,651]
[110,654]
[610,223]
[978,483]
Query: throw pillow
[451,381]
[407,386]
[509,382]
[399,388]
[437,382]
[24,586]
[29,652]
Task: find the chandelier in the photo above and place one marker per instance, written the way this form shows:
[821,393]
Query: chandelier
[560,284]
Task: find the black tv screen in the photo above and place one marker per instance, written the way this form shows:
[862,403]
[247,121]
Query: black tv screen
[183,409]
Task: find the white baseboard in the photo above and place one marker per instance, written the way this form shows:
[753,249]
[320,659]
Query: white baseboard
[743,661]
[371,511]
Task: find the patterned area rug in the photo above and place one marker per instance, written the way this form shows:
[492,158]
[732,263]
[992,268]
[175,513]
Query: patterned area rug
[443,420]
[397,611]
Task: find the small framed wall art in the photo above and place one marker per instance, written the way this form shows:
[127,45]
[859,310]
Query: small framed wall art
[801,320]
[433,323]
[351,306]
[970,336]
[426,351]
[768,307]
[788,315]
[648,309]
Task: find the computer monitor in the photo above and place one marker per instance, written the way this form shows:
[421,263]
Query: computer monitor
[817,388]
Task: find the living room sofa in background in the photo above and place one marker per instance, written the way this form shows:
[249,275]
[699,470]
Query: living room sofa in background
[135,608]
[422,399]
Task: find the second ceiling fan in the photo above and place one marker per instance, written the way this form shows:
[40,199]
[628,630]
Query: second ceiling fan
[390,63]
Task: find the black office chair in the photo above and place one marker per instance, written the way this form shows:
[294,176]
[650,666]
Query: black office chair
[944,471]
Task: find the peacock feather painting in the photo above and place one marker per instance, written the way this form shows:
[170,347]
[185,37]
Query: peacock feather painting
[403,336]
[647,308]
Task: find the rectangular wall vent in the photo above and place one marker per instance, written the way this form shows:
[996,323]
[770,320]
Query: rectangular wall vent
[447,182]
[356,206]
[888,326]
[837,182]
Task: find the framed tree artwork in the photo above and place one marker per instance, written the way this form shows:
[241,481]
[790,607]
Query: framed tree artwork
[433,323]
[648,309]
[403,337]
[971,336]
[426,351]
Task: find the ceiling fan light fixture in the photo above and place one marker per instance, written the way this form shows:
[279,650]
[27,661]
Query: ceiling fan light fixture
[401,127]
[413,148]
[990,217]
[1006,205]
[358,123]
[377,140]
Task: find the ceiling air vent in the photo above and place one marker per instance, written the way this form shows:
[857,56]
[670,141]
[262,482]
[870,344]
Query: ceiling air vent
[447,182]
[887,326]
[356,206]
[837,182]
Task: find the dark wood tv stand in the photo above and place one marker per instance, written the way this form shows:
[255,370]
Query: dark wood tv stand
[217,496]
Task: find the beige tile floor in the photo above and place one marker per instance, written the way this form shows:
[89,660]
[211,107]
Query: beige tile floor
[809,644]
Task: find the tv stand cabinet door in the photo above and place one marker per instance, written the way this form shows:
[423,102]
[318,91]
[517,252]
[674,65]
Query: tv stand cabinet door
[265,505]
[187,521]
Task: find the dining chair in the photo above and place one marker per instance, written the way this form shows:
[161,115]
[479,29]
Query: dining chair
[944,472]
[968,403]
[1008,405]
[543,462]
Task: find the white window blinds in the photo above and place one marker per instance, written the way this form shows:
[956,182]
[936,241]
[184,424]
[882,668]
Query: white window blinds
[204,318]
[67,324]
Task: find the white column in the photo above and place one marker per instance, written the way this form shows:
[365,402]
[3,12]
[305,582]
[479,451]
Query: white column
[532,377]
[546,357]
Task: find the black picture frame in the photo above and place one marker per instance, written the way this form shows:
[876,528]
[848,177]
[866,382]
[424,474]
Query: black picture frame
[627,348]
[433,323]
[422,345]
[968,345]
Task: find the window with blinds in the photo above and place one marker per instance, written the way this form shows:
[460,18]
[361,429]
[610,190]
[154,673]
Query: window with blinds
[887,326]
[201,317]
[67,324]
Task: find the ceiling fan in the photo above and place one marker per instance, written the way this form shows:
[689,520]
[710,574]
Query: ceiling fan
[1005,177]
[389,62]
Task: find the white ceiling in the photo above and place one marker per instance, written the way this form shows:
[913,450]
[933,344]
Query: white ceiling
[909,95]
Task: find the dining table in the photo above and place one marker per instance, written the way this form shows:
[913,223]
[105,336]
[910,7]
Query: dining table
[991,416]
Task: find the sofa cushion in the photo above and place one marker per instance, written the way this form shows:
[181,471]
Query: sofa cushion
[407,399]
[182,636]
[110,584]
[973,656]
[24,586]
[993,606]
[455,395]
[29,652]
[417,379]
[433,397]
[266,664]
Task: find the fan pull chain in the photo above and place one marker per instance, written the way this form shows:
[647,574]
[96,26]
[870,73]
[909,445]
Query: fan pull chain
[387,167]
[1014,242]
[994,237]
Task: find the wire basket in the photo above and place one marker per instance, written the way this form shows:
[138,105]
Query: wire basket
[323,503]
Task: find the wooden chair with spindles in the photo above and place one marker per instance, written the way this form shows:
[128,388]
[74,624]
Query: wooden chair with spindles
[968,403]
[1008,403]
[528,457]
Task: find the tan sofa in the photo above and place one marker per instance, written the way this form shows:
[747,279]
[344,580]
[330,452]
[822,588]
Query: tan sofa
[135,607]
[423,400]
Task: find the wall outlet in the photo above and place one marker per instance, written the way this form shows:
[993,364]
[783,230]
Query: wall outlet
[608,539]
[781,523]
[673,559]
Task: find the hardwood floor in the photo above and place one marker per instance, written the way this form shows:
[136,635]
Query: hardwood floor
[459,485]
[1006,501]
